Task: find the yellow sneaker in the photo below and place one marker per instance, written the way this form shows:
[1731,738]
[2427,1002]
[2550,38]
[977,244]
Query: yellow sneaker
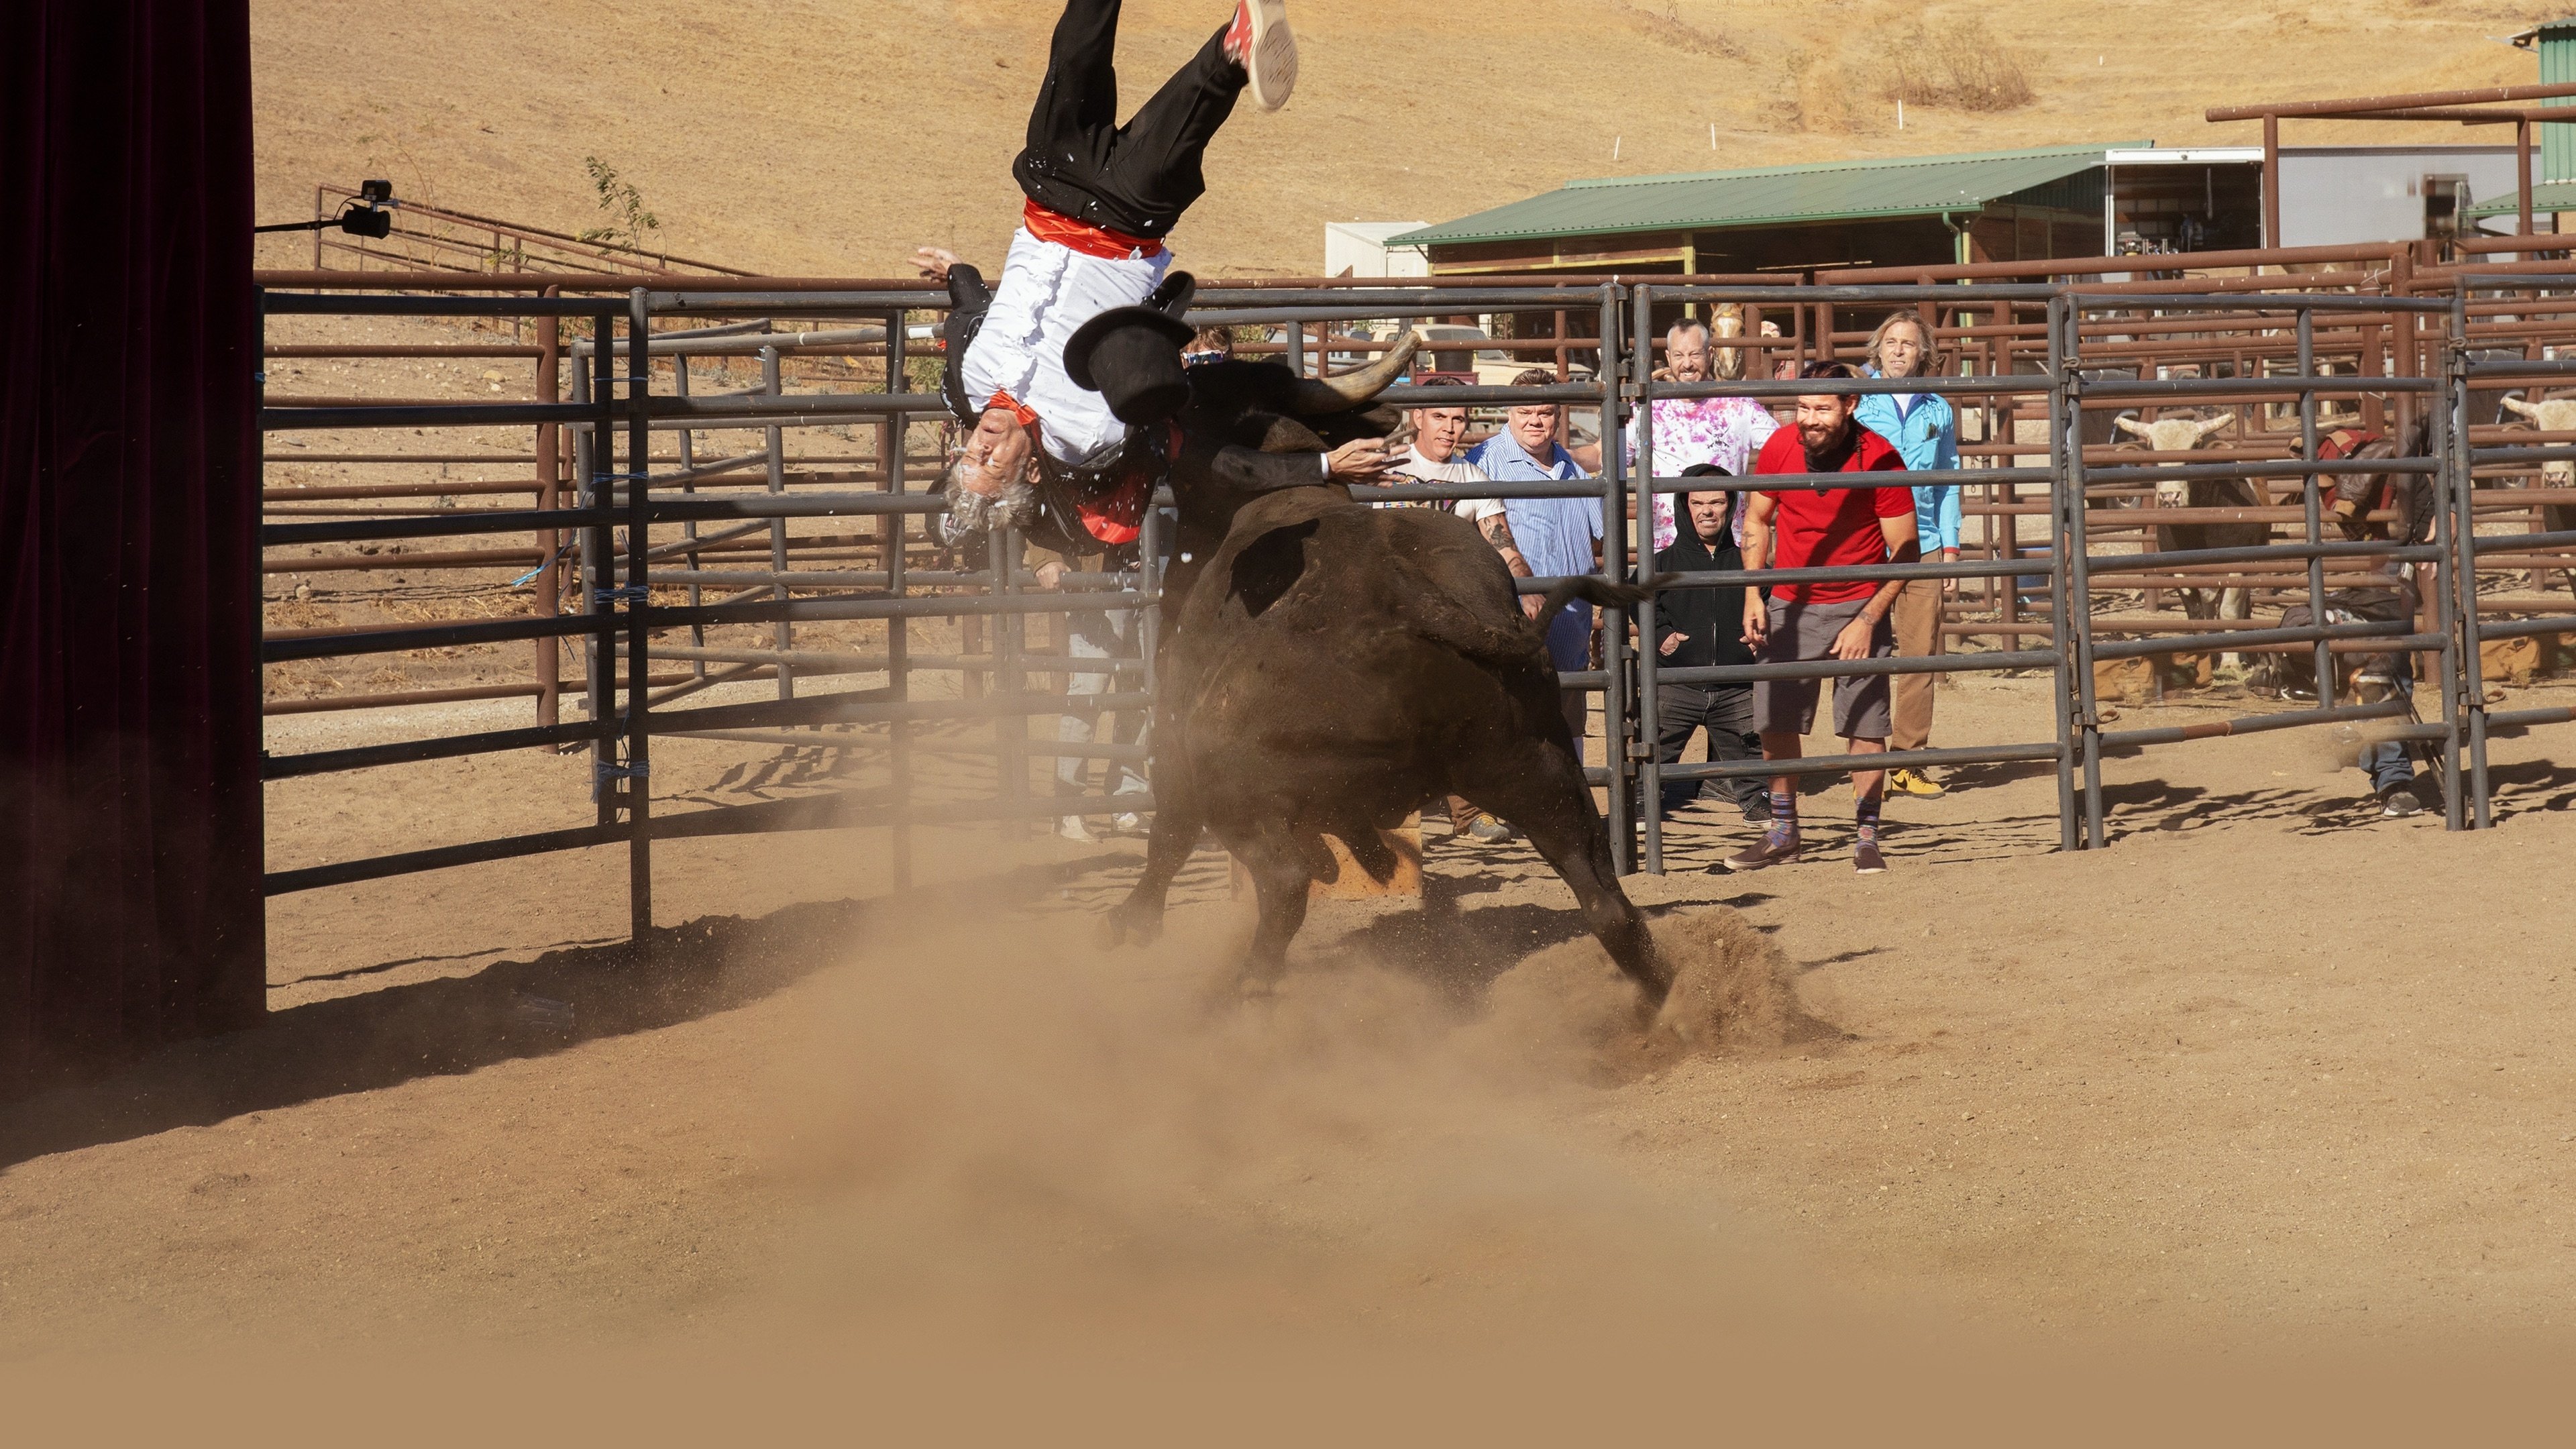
[1907,782]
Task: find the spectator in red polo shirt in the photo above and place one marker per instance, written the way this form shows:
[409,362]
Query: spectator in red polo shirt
[1836,528]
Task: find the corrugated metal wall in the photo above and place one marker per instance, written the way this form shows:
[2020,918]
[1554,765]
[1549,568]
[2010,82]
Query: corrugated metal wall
[2558,67]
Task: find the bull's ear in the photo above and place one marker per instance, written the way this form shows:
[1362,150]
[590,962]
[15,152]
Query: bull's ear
[2131,426]
[1380,421]
[1288,435]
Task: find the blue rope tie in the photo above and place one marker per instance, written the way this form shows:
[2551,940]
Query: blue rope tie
[631,595]
[525,579]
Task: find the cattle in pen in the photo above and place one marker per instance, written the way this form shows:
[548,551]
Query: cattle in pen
[2185,435]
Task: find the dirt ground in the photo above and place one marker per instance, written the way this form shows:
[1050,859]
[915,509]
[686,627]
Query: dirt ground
[2269,1074]
[829,139]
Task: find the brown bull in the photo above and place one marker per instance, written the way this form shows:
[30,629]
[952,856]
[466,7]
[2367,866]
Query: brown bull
[1327,667]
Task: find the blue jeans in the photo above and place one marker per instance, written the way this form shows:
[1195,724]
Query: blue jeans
[2391,762]
[1569,648]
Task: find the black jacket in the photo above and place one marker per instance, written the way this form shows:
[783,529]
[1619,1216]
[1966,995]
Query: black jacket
[968,300]
[1713,618]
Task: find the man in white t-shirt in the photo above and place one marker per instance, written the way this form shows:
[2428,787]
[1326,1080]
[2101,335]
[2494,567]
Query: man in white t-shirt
[1433,457]
[1101,198]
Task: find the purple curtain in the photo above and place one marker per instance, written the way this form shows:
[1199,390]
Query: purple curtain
[130,910]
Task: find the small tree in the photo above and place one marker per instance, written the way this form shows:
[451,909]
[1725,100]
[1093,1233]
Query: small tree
[624,205]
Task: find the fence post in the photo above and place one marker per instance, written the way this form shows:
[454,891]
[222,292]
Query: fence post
[2453,400]
[783,637]
[893,440]
[2312,506]
[1618,766]
[1650,787]
[639,535]
[549,651]
[2065,444]
[2459,563]
[597,386]
[2074,578]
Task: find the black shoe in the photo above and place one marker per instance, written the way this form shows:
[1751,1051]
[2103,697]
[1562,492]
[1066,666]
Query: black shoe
[1757,812]
[2398,801]
[2427,791]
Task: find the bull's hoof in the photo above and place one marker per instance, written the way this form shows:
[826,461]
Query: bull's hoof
[1121,926]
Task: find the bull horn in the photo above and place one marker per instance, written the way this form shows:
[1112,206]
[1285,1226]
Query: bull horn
[1356,389]
[2131,425]
[2524,408]
[2214,424]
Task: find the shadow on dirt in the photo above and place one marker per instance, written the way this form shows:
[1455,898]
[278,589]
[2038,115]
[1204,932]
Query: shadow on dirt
[446,1027]
[1461,952]
[2531,785]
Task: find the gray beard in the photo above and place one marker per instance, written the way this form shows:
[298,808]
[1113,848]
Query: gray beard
[1016,506]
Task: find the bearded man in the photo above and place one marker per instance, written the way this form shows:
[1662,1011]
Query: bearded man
[1824,528]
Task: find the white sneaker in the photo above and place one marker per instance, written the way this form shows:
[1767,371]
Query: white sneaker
[1127,824]
[1260,41]
[1072,828]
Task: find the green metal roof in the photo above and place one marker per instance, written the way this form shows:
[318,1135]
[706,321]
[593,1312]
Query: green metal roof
[1770,195]
[2547,197]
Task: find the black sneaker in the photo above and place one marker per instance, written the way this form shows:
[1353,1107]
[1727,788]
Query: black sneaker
[2398,802]
[1757,812]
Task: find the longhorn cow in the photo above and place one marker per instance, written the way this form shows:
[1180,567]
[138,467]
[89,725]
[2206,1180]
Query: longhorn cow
[2183,435]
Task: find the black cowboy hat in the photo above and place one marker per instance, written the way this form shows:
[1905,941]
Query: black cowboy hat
[1132,355]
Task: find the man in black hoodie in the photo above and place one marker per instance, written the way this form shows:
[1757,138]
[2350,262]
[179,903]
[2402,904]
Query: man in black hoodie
[1703,628]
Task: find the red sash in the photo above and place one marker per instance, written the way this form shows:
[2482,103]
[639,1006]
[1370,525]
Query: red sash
[1083,237]
[1118,516]
[1018,409]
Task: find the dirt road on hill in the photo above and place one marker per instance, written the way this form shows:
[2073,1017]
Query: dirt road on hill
[830,139]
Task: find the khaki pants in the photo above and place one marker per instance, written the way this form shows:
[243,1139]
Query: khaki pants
[1917,617]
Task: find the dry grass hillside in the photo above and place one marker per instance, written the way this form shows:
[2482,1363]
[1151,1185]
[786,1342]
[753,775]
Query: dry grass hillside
[820,137]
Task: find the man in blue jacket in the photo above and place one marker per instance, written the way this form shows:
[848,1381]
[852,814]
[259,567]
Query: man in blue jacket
[1925,429]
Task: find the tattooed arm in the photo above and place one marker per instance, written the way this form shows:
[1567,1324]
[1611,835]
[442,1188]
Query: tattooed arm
[1497,528]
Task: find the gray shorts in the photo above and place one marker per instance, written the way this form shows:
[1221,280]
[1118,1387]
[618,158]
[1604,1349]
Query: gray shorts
[1801,632]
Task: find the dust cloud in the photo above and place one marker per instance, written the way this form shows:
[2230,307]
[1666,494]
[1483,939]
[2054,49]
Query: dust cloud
[1008,1135]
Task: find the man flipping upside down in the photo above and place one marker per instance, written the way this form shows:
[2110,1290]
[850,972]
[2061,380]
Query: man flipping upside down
[1101,197]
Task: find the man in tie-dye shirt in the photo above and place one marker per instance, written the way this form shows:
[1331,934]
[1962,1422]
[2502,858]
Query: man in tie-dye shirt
[1727,431]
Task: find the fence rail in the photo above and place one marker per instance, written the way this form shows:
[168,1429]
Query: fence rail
[635,555]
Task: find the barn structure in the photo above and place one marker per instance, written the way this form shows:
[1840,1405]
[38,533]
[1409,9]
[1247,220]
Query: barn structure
[1934,210]
[2553,187]
[2005,206]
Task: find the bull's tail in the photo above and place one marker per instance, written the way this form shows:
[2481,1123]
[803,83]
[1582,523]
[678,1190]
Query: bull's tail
[1599,593]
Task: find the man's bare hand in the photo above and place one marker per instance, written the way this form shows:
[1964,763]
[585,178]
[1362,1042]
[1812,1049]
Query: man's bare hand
[1363,460]
[1531,604]
[1051,574]
[1855,639]
[1949,587]
[1757,618]
[1672,642]
[935,262]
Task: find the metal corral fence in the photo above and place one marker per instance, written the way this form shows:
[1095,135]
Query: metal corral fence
[638,550]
